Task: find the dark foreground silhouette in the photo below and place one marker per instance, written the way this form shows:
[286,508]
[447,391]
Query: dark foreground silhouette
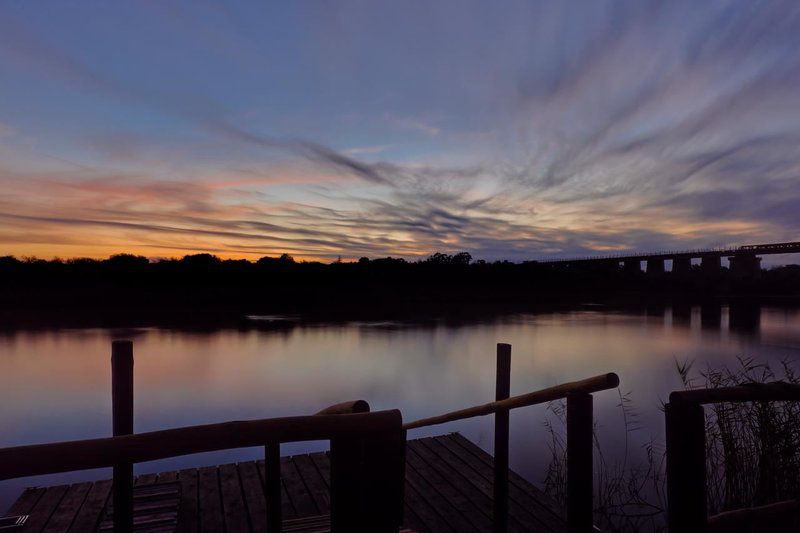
[203,288]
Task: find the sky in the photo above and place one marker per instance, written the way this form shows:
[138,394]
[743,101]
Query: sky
[510,130]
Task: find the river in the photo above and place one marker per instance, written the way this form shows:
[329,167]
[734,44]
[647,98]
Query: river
[55,384]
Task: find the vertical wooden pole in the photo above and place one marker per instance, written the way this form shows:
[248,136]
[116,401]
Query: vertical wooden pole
[402,478]
[122,422]
[686,467]
[579,463]
[383,481]
[347,474]
[272,490]
[501,430]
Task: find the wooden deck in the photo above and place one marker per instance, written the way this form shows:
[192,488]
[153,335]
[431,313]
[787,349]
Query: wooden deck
[448,488]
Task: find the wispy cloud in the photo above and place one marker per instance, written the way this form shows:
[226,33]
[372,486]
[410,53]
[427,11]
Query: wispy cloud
[367,150]
[201,112]
[571,128]
[418,125]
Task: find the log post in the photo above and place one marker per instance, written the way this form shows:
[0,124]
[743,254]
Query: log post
[686,467]
[272,488]
[579,463]
[383,481]
[347,455]
[122,423]
[501,431]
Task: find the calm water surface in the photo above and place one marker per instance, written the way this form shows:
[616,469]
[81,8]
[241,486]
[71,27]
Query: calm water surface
[55,385]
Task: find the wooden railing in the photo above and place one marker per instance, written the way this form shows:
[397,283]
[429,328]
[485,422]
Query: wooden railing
[686,454]
[367,455]
[367,450]
[579,437]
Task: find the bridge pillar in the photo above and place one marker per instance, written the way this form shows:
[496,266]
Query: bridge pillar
[681,265]
[711,264]
[632,265]
[655,266]
[745,266]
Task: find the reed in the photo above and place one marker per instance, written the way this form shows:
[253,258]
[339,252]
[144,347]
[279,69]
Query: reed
[753,448]
[752,452]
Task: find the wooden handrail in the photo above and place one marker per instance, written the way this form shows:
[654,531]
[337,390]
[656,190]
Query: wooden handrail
[579,437]
[366,480]
[686,450]
[345,408]
[748,392]
[122,424]
[22,461]
[750,518]
[585,386]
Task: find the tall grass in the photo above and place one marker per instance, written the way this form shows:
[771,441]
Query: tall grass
[752,449]
[752,453]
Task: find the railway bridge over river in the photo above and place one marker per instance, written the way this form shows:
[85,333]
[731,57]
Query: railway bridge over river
[744,261]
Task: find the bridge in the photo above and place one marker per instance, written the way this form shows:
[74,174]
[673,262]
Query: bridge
[744,261]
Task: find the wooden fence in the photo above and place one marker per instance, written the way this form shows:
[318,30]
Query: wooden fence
[579,437]
[367,450]
[686,455]
[367,454]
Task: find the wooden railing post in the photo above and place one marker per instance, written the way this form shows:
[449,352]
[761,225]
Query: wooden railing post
[501,430]
[383,482]
[401,511]
[272,486]
[346,472]
[686,467]
[579,462]
[368,479]
[122,423]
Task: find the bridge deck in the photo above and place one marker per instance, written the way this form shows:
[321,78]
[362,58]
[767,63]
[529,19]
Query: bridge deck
[750,249]
[448,488]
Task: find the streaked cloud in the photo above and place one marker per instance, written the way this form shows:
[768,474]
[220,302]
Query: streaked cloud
[542,129]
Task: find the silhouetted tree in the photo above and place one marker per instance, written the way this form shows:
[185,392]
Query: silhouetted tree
[204,281]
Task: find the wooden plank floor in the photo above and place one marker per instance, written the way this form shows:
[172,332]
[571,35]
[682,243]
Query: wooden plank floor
[448,488]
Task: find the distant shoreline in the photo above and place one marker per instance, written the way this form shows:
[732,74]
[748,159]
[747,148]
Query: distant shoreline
[202,290]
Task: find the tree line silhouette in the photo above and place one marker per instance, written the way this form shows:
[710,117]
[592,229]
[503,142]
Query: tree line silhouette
[206,283]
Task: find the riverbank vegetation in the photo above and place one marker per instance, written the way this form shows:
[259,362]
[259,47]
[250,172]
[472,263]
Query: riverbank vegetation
[440,282]
[752,453]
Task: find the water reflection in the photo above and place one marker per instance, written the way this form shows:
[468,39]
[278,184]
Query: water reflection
[54,385]
[681,314]
[744,318]
[711,316]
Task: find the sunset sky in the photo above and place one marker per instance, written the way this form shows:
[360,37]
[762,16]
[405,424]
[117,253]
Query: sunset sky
[511,130]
